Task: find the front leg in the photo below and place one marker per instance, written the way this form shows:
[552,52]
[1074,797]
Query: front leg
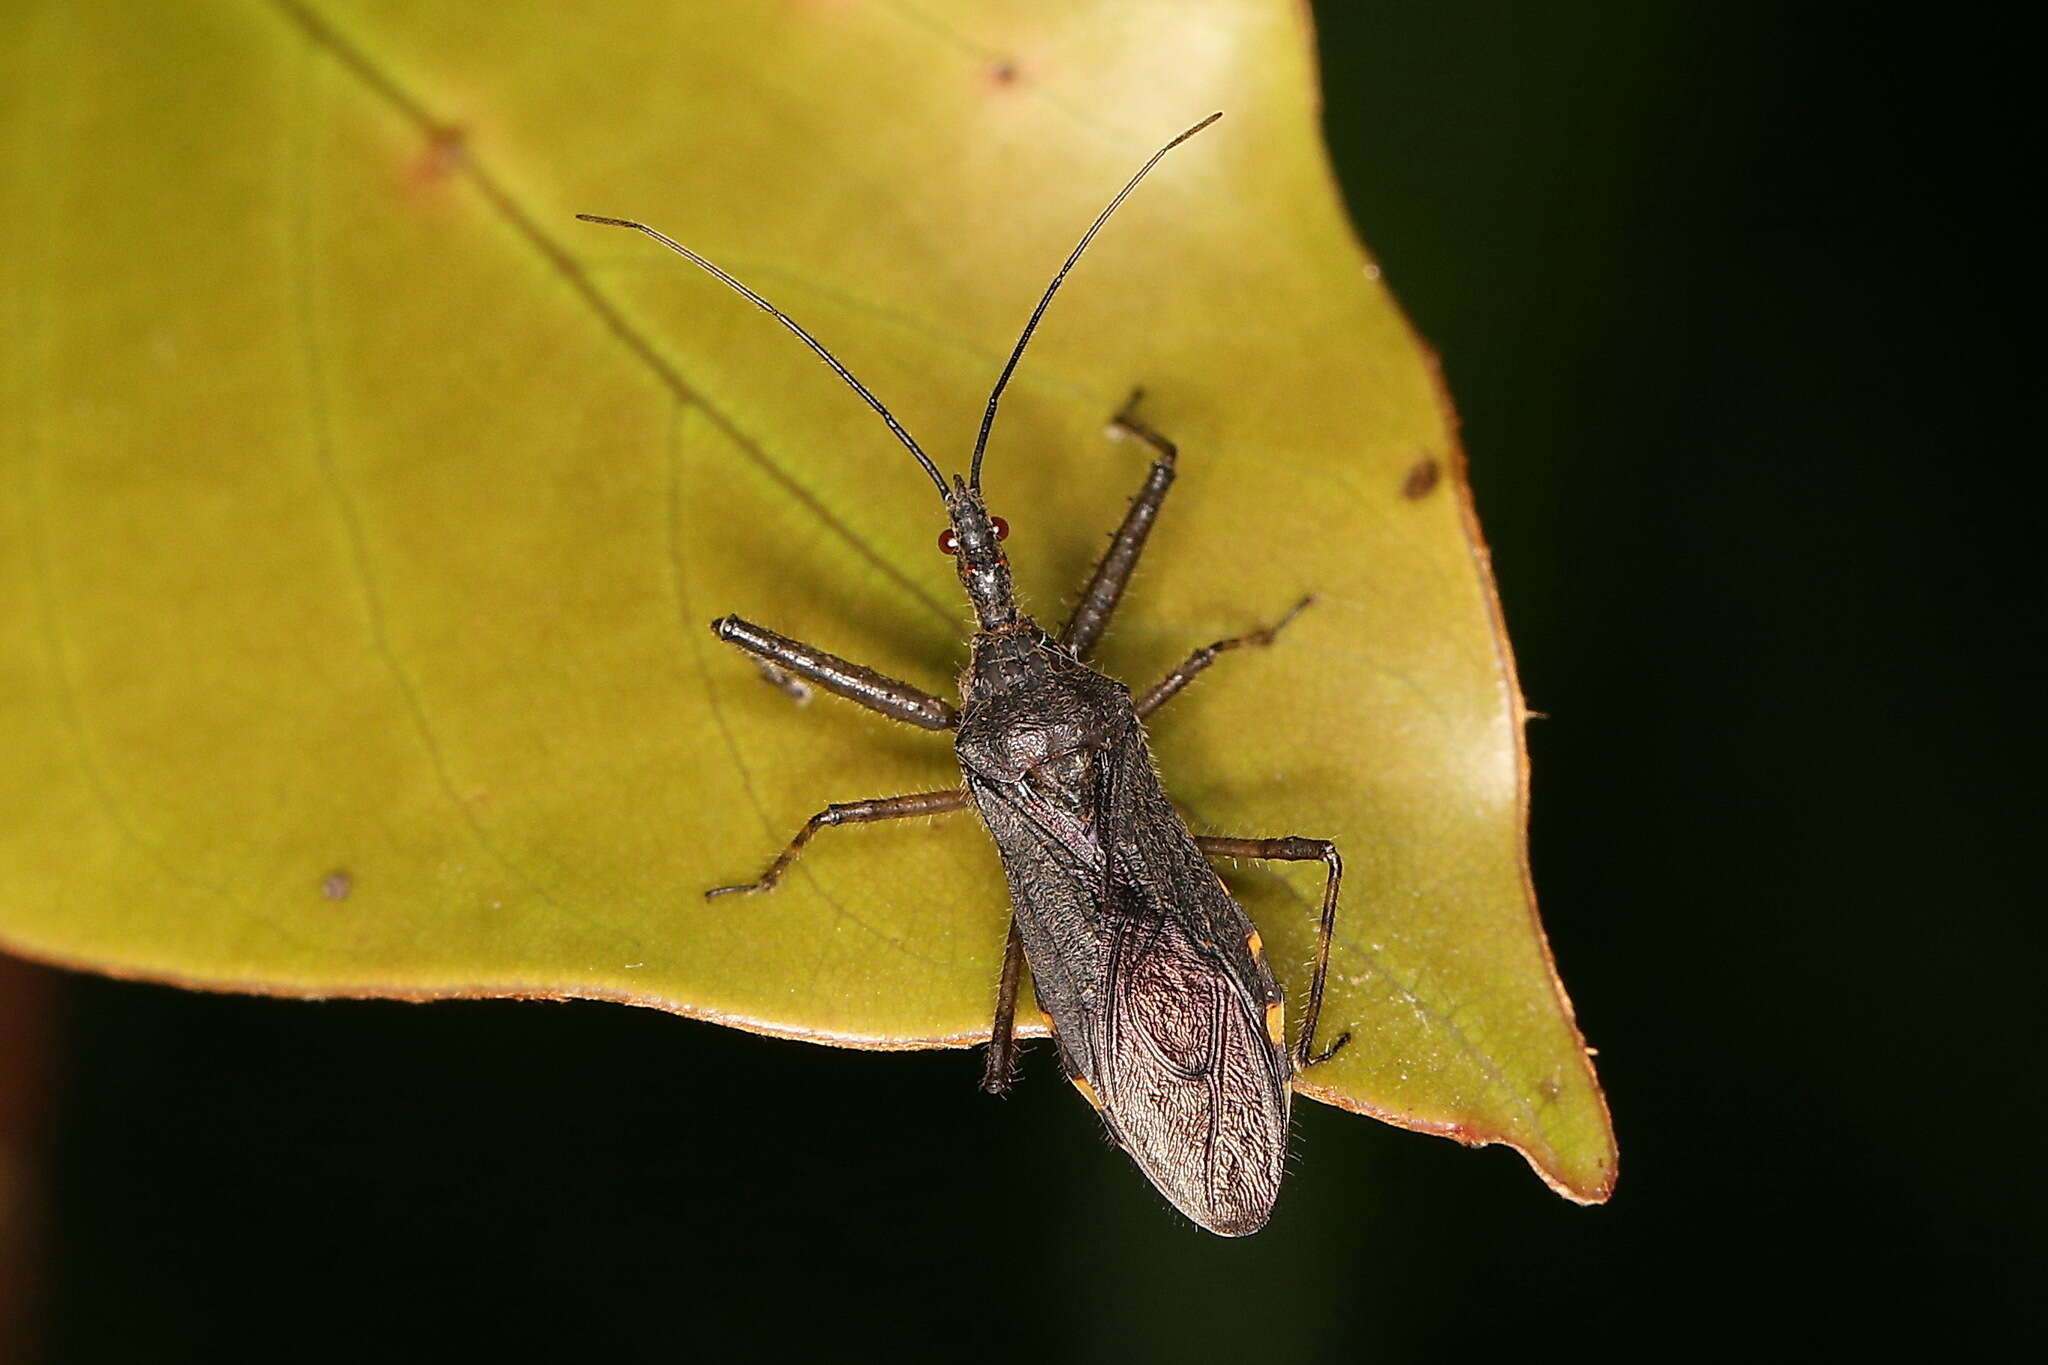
[1106,586]
[1293,850]
[876,691]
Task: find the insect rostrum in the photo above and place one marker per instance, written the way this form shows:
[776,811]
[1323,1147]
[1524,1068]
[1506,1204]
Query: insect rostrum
[1166,1013]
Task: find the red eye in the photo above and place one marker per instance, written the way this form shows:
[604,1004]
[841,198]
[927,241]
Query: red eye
[1002,528]
[948,542]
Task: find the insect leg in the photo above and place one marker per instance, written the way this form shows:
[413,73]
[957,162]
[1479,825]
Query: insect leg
[1293,850]
[1002,1039]
[1113,573]
[876,691]
[849,813]
[1162,691]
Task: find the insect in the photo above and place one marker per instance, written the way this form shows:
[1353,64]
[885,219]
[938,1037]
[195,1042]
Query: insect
[1166,1013]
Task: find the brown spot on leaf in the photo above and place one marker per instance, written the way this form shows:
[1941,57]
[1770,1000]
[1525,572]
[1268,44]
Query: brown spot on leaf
[337,884]
[445,154]
[1422,479]
[1003,71]
[447,148]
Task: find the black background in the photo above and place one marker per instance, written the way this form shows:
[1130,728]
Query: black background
[1734,303]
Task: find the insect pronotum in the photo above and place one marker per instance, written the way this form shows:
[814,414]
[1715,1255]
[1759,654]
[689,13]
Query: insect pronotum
[1167,1015]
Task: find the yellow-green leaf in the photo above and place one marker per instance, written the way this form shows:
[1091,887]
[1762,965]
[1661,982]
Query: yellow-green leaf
[363,512]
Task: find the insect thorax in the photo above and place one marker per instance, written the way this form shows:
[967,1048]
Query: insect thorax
[1029,704]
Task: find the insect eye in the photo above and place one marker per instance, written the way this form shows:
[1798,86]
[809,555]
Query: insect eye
[1002,528]
[948,542]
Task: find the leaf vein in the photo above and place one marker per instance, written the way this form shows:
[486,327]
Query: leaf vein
[354,535]
[580,281]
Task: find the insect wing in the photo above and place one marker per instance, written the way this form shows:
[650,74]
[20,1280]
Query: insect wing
[1164,1009]
[1190,1079]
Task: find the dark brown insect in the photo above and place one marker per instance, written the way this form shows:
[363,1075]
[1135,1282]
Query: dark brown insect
[1167,1015]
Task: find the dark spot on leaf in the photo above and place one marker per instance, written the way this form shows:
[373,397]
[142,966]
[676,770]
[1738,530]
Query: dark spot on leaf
[1422,479]
[1004,71]
[1549,1088]
[337,884]
[446,152]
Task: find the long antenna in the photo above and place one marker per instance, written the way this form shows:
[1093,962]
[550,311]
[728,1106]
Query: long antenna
[787,321]
[988,419]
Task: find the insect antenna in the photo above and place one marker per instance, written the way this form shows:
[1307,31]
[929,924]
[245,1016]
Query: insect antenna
[988,419]
[791,323]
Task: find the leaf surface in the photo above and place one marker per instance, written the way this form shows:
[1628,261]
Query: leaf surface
[363,511]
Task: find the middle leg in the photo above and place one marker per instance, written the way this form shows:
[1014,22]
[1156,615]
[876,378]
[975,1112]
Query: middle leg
[849,813]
